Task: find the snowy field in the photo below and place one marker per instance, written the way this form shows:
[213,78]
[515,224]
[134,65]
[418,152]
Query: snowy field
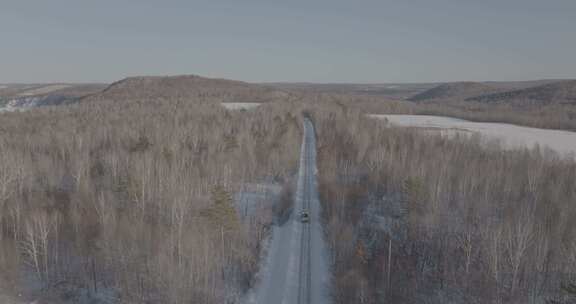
[240,105]
[14,105]
[510,136]
[6,109]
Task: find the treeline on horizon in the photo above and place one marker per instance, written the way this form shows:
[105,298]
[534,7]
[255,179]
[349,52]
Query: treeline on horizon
[562,117]
[551,116]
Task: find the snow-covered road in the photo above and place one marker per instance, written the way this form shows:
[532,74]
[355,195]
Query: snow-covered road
[295,270]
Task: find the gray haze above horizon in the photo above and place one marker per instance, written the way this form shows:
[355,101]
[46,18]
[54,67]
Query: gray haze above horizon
[293,41]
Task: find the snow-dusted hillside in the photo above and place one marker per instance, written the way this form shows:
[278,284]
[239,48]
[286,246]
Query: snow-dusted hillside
[21,97]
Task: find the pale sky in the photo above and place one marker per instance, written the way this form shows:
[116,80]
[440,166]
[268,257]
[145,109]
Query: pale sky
[290,40]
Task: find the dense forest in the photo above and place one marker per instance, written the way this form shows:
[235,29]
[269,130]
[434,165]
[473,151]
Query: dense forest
[414,218]
[134,200]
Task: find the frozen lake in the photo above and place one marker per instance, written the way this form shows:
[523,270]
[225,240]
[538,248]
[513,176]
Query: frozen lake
[510,136]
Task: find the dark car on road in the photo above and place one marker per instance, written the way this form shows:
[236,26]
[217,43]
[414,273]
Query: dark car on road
[304,216]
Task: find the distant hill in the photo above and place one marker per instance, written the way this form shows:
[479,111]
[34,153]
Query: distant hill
[17,96]
[560,92]
[157,88]
[61,89]
[456,90]
[188,87]
[464,90]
